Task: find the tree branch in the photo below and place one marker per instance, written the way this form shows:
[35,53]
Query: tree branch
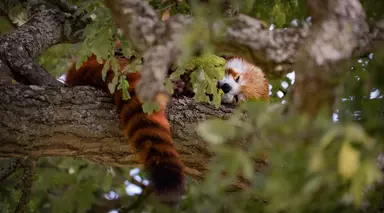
[274,51]
[155,39]
[19,48]
[27,183]
[339,32]
[82,122]
[8,167]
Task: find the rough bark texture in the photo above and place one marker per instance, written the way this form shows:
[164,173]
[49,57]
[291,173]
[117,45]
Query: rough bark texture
[19,53]
[339,31]
[81,122]
[46,27]
[156,40]
[29,166]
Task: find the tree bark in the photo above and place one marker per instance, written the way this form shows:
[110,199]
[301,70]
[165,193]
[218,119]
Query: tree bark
[47,27]
[338,33]
[81,122]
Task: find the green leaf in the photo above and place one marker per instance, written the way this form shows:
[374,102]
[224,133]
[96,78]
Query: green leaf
[216,131]
[115,65]
[112,85]
[279,16]
[105,69]
[126,47]
[123,86]
[317,161]
[349,160]
[176,75]
[247,165]
[150,107]
[169,86]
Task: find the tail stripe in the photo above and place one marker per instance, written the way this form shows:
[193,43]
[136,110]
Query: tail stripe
[140,121]
[156,136]
[130,109]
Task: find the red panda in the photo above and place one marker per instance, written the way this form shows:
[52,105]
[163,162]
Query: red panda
[148,134]
[243,81]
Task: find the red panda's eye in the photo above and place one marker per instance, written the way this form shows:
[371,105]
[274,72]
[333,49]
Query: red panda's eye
[237,79]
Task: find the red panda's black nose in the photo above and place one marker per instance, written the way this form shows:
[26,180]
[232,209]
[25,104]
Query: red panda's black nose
[226,88]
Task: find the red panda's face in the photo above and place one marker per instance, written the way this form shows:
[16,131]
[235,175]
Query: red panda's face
[243,81]
[232,81]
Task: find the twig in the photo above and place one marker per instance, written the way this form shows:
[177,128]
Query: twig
[166,7]
[64,6]
[9,167]
[27,183]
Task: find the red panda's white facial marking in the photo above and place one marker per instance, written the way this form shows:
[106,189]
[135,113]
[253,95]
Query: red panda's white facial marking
[232,81]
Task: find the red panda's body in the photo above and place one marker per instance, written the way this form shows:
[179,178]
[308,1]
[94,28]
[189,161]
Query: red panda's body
[148,134]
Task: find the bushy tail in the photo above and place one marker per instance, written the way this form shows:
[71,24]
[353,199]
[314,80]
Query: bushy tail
[148,134]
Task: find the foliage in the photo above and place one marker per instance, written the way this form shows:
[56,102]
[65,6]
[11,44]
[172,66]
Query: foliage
[317,166]
[204,71]
[314,166]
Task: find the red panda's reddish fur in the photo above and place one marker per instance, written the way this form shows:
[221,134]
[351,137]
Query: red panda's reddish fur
[148,134]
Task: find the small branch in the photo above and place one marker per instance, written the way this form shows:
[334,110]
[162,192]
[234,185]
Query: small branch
[377,32]
[8,168]
[27,184]
[159,57]
[138,21]
[152,37]
[273,50]
[19,48]
[64,6]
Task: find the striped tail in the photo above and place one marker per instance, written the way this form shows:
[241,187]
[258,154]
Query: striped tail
[148,134]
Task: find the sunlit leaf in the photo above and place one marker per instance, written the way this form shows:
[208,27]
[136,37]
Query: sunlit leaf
[349,160]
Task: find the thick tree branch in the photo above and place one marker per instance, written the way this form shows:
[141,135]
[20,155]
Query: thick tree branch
[81,122]
[274,51]
[339,31]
